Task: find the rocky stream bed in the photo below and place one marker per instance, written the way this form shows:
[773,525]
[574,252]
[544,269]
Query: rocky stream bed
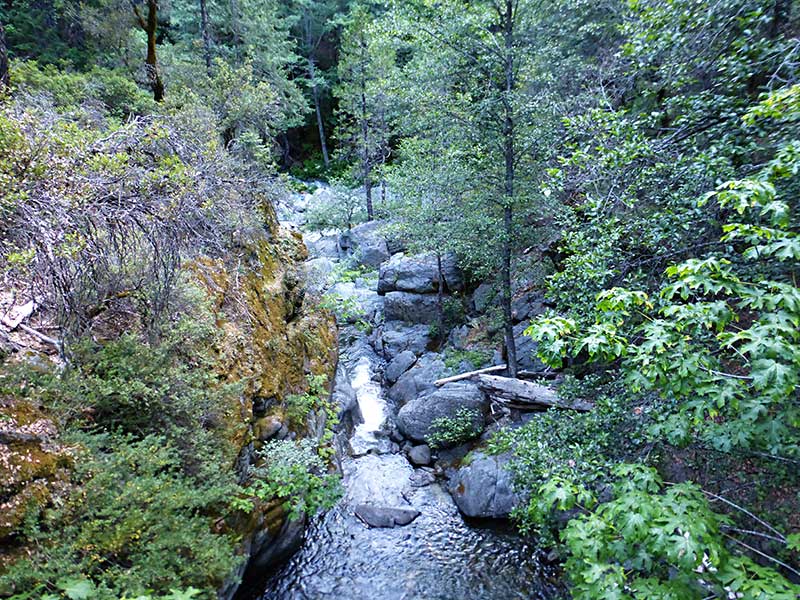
[399,531]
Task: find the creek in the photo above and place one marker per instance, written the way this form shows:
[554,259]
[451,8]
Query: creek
[439,555]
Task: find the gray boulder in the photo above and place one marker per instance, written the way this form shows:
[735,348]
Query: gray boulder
[428,368]
[397,337]
[419,274]
[399,365]
[366,243]
[483,297]
[527,306]
[318,271]
[321,244]
[415,418]
[414,308]
[420,455]
[526,349]
[377,516]
[484,487]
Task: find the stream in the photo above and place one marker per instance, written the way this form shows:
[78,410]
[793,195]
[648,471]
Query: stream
[438,556]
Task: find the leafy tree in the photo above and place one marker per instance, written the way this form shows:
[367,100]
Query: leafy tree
[365,63]
[476,81]
[314,23]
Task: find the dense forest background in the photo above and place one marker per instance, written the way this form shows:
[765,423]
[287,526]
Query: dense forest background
[636,161]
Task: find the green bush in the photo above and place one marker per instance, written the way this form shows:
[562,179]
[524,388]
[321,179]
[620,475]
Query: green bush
[69,89]
[580,447]
[298,406]
[652,540]
[450,431]
[134,523]
[297,475]
[475,357]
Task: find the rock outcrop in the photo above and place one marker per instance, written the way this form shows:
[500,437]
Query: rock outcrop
[415,418]
[484,487]
[380,516]
[419,274]
[410,307]
[366,243]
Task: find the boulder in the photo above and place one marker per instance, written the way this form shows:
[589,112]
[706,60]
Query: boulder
[483,297]
[407,306]
[321,244]
[399,365]
[459,337]
[317,274]
[421,478]
[267,428]
[526,349]
[355,302]
[484,487]
[415,418]
[366,243]
[420,455]
[527,306]
[428,368]
[419,274]
[397,337]
[377,516]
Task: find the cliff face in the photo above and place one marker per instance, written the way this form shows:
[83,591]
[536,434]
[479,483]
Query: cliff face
[271,341]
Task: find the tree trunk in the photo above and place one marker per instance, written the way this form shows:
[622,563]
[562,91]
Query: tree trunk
[150,27]
[206,33]
[508,216]
[5,80]
[505,274]
[366,166]
[318,110]
[439,297]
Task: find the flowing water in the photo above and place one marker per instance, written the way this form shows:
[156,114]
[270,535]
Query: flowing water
[439,556]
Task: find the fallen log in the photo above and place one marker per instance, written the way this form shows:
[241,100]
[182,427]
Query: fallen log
[469,374]
[517,393]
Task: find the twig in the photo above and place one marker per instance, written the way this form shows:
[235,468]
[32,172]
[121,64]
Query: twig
[760,553]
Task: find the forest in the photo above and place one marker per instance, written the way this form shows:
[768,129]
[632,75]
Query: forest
[535,262]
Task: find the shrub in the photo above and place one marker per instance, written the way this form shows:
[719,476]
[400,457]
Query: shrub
[134,523]
[450,431]
[114,89]
[298,406]
[297,475]
[653,540]
[476,357]
[342,209]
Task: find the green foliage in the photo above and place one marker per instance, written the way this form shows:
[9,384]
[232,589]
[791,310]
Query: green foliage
[722,341]
[581,448]
[114,89]
[296,474]
[341,210]
[475,357]
[450,431]
[134,523]
[651,541]
[299,406]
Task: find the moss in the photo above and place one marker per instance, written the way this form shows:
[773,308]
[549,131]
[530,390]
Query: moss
[272,339]
[32,463]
